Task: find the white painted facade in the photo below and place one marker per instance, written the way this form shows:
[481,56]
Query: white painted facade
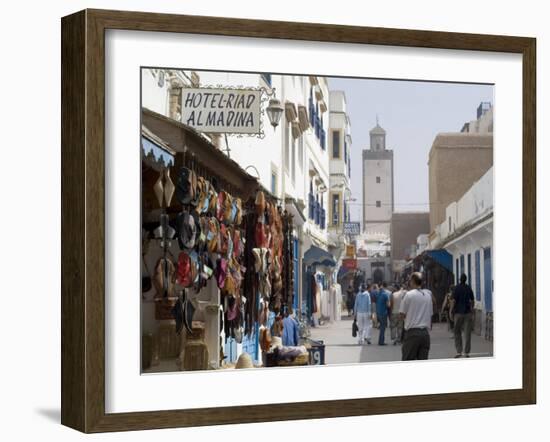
[291,160]
[339,150]
[467,234]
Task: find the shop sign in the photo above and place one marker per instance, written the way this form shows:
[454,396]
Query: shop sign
[350,264]
[230,111]
[352,228]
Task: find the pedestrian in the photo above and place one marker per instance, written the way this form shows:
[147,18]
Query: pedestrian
[446,309]
[382,311]
[350,299]
[462,308]
[416,309]
[373,295]
[396,322]
[363,315]
[290,330]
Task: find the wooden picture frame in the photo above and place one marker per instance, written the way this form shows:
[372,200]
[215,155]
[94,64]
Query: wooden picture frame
[83,219]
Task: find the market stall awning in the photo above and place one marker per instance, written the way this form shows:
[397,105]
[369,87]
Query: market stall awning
[442,257]
[317,256]
[154,150]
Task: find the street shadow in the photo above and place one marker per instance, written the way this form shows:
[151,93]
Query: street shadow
[363,353]
[51,414]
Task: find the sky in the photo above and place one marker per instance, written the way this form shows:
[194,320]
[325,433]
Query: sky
[412,113]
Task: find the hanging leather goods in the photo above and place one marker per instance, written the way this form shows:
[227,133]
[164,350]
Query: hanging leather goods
[169,187]
[159,189]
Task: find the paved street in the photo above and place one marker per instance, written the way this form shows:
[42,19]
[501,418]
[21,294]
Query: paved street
[342,348]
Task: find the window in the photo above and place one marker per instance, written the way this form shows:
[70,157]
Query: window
[335,144]
[335,209]
[450,226]
[378,203]
[377,180]
[345,152]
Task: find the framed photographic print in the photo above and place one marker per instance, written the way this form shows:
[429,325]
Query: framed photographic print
[261,220]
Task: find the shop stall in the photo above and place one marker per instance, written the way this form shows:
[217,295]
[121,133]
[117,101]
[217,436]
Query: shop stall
[217,257]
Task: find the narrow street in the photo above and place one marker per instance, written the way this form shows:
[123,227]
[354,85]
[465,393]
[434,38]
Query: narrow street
[342,348]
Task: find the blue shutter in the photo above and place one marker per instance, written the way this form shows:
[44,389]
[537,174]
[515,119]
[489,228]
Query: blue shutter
[478,276]
[461,266]
[457,272]
[488,279]
[469,269]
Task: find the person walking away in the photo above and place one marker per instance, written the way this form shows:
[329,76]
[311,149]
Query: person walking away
[462,308]
[350,299]
[416,309]
[382,311]
[290,330]
[363,315]
[373,295]
[446,309]
[396,323]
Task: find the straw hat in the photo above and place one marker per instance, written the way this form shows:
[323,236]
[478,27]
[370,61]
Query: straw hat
[244,361]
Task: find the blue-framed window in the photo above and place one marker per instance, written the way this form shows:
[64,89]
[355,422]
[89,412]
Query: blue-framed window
[319,212]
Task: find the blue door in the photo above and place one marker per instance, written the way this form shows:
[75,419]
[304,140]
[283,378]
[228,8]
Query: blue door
[488,277]
[478,275]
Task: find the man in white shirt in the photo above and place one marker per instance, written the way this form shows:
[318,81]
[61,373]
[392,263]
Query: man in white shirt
[416,310]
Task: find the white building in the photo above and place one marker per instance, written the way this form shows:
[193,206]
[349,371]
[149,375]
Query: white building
[340,168]
[484,121]
[291,161]
[378,201]
[467,234]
